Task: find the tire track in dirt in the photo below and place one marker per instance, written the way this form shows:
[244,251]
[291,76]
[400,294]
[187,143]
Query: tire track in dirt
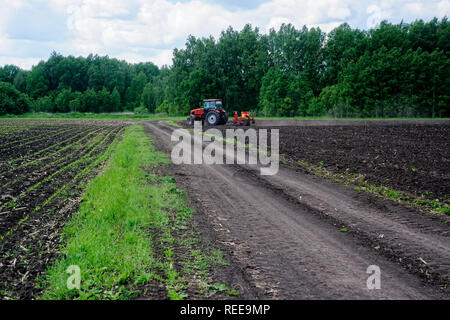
[416,240]
[405,235]
[286,250]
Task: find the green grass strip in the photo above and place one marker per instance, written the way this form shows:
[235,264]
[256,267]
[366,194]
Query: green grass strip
[109,239]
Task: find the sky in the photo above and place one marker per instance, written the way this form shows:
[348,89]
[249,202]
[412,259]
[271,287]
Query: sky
[149,30]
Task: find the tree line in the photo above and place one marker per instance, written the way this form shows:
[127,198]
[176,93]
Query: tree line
[393,70]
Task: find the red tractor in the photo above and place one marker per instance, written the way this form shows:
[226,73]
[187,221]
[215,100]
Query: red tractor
[212,112]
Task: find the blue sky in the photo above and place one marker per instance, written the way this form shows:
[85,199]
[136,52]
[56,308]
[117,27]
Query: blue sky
[148,30]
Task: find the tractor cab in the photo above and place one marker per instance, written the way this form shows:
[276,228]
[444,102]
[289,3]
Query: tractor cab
[212,104]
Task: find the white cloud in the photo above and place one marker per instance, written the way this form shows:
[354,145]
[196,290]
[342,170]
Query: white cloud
[157,23]
[415,7]
[376,15]
[276,22]
[160,23]
[327,27]
[148,30]
[25,63]
[164,57]
[160,57]
[407,10]
[444,8]
[7,8]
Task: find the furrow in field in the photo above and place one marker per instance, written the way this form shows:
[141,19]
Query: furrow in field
[32,197]
[37,139]
[23,151]
[38,169]
[97,160]
[48,175]
[8,176]
[29,135]
[11,134]
[28,157]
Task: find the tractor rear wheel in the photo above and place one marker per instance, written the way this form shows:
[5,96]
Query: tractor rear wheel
[212,118]
[224,119]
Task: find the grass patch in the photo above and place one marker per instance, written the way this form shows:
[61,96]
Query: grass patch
[109,238]
[131,225]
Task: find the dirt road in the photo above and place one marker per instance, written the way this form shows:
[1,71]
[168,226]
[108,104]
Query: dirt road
[284,239]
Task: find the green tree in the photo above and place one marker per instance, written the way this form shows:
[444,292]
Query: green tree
[273,92]
[104,101]
[37,82]
[134,92]
[45,104]
[20,80]
[12,101]
[329,101]
[343,45]
[90,101]
[62,100]
[75,104]
[8,73]
[116,104]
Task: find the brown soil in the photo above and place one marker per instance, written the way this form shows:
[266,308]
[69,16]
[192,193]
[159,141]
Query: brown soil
[285,236]
[411,158]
